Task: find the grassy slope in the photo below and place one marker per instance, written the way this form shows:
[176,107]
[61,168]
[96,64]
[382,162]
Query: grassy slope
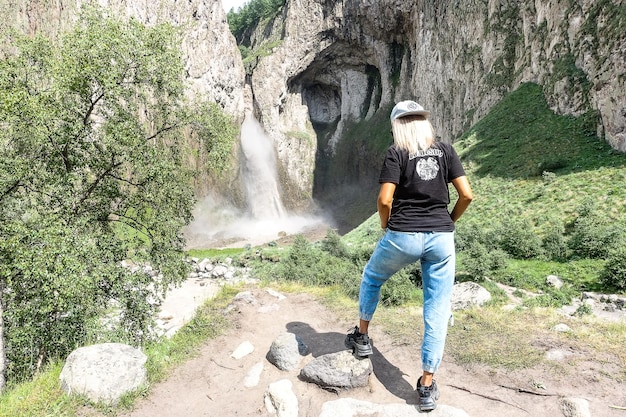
[525,162]
[505,156]
[508,152]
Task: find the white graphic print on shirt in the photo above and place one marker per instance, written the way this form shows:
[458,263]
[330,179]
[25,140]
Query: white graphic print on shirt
[427,168]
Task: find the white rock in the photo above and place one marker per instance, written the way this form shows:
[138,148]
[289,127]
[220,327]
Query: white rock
[242,350]
[253,376]
[281,400]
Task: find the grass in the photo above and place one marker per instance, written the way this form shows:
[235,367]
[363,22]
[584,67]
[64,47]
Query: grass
[521,138]
[489,336]
[208,323]
[531,167]
[524,160]
[531,274]
[495,337]
[43,396]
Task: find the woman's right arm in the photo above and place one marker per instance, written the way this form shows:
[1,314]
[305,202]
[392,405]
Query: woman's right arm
[465,197]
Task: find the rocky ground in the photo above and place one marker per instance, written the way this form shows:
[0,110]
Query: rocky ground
[223,381]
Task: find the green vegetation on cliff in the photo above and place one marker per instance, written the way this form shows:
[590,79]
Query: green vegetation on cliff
[244,20]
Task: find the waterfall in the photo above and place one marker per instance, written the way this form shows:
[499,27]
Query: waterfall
[219,224]
[259,172]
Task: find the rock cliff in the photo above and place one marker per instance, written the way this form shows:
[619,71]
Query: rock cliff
[212,61]
[331,71]
[334,64]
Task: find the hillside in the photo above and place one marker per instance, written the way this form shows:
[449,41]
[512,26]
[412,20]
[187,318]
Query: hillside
[550,196]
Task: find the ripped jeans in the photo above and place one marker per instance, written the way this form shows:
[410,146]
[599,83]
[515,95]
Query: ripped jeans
[436,253]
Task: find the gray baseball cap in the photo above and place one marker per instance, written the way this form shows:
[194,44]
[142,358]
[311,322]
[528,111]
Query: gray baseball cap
[408,108]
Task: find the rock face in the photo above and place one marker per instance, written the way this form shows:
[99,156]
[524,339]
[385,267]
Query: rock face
[213,63]
[327,66]
[333,64]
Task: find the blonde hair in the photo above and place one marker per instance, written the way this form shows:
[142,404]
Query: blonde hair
[412,133]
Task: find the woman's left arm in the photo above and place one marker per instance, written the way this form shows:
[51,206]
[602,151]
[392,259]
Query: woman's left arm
[465,197]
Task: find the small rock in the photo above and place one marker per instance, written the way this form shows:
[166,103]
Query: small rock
[275,294]
[242,350]
[253,376]
[286,351]
[557,355]
[280,399]
[468,294]
[269,308]
[203,264]
[562,327]
[245,296]
[165,315]
[575,407]
[554,281]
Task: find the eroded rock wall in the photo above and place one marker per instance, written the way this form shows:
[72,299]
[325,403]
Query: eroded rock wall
[214,67]
[213,63]
[336,62]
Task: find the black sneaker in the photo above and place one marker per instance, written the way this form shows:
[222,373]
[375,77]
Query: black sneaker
[359,343]
[428,396]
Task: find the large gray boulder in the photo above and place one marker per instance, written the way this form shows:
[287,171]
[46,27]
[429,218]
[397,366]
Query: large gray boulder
[104,372]
[339,370]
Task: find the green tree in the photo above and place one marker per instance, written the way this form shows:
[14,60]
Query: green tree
[243,21]
[93,183]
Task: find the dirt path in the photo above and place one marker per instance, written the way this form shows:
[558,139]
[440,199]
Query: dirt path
[212,384]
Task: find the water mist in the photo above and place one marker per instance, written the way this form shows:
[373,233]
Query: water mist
[264,218]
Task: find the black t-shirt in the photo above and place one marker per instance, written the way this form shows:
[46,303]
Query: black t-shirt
[420,202]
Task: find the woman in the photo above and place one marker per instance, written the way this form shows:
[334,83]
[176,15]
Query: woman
[413,208]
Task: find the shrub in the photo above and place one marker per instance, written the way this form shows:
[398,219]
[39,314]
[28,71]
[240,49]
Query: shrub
[594,237]
[518,239]
[554,244]
[310,265]
[552,298]
[243,21]
[479,262]
[333,245]
[614,272]
[398,290]
[468,234]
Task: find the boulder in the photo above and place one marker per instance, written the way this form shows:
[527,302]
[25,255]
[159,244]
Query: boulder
[286,351]
[339,370]
[468,294]
[104,372]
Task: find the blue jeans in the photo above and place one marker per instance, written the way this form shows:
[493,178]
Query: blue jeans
[435,251]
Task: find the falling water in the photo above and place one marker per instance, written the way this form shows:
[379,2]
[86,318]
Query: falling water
[218,224]
[259,172]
